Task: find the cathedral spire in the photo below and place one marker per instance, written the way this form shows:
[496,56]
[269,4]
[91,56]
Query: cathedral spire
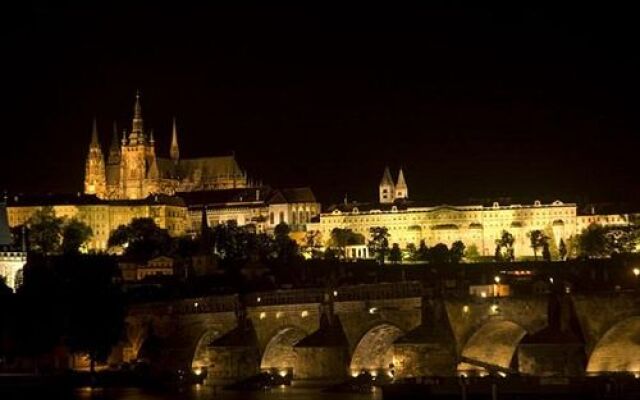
[174,151]
[137,134]
[94,134]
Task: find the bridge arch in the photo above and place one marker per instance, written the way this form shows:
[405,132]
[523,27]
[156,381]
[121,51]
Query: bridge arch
[494,343]
[374,349]
[201,357]
[279,352]
[618,350]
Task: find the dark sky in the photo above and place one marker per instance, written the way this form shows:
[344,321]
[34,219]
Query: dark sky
[472,102]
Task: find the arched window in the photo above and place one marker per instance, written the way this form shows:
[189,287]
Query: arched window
[271,218]
[281,217]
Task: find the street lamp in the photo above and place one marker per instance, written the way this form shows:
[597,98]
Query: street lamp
[636,272]
[497,279]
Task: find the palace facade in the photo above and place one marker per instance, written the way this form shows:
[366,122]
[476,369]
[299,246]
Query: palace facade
[479,225]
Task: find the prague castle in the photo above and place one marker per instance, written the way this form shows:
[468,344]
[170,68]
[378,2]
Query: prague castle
[133,170]
[479,225]
[135,182]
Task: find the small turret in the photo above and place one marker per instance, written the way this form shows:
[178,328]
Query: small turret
[386,188]
[174,151]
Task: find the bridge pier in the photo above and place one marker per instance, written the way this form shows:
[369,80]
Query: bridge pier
[429,349]
[558,349]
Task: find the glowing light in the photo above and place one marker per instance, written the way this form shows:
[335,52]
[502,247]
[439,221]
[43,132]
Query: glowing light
[258,299]
[304,314]
[483,295]
[636,272]
[494,308]
[263,315]
[282,373]
[502,374]
[496,279]
[373,310]
[636,375]
[196,304]
[390,374]
[465,309]
[463,374]
[354,374]
[551,280]
[197,371]
[374,373]
[335,293]
[279,314]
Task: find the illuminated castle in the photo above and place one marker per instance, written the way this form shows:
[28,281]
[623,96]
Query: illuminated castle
[133,170]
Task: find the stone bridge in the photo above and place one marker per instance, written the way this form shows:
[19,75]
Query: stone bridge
[396,328]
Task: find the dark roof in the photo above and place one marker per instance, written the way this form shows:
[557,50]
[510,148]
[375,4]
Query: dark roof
[294,195]
[225,196]
[608,208]
[243,335]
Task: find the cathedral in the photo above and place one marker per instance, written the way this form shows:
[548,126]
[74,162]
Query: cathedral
[133,170]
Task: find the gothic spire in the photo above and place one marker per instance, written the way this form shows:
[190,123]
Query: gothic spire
[114,148]
[175,150]
[137,134]
[94,134]
[402,190]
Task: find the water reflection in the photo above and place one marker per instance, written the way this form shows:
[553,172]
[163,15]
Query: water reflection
[201,392]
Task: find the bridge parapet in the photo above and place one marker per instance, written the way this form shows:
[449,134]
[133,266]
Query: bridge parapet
[379,291]
[282,297]
[196,305]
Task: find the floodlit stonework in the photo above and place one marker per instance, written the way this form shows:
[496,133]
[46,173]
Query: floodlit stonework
[133,170]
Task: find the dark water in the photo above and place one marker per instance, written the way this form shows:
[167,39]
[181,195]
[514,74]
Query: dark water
[206,392]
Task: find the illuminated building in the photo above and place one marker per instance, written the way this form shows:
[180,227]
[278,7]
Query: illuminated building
[409,221]
[12,259]
[100,215]
[133,170]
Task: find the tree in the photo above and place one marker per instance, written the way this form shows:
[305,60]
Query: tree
[562,250]
[593,243]
[505,242]
[286,248]
[313,244]
[472,252]
[412,251]
[45,231]
[341,238]
[142,238]
[538,240]
[439,254]
[75,234]
[379,242]
[456,253]
[423,252]
[95,307]
[546,253]
[395,255]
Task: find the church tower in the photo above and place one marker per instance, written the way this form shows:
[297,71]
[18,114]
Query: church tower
[402,191]
[387,189]
[174,151]
[94,177]
[135,159]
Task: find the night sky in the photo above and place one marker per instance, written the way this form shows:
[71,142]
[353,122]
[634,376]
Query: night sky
[471,102]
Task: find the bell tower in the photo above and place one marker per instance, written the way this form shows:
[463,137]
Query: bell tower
[386,188]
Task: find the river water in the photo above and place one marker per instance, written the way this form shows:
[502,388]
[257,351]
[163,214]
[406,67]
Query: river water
[207,392]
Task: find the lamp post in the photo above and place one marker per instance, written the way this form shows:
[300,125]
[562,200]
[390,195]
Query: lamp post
[636,273]
[496,292]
